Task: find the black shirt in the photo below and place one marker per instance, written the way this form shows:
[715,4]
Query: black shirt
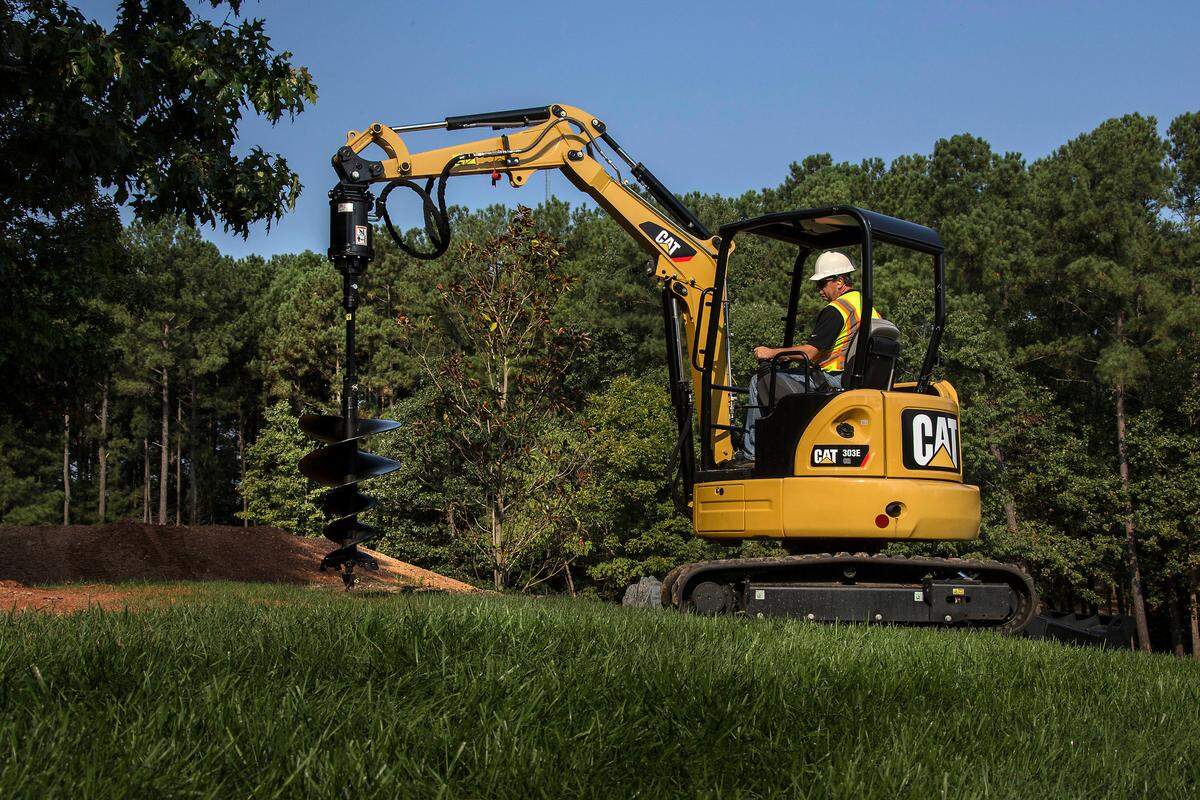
[826,329]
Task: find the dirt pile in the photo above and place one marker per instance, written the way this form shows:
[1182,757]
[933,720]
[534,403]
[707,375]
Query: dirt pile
[128,551]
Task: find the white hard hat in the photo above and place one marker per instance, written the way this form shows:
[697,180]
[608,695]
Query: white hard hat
[831,263]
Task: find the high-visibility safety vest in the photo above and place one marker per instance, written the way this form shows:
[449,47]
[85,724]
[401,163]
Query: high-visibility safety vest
[849,306]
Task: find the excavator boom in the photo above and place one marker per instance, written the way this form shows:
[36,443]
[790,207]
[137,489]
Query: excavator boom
[570,140]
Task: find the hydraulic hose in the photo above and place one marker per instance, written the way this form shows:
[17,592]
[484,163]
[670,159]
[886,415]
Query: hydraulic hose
[437,219]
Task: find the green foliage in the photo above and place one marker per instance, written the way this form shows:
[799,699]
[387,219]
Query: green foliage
[622,499]
[416,502]
[145,115]
[24,471]
[275,491]
[1184,136]
[149,109]
[611,297]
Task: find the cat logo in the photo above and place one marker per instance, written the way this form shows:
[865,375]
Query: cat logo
[676,250]
[832,455]
[930,440]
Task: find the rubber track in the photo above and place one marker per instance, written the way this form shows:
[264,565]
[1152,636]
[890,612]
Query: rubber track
[684,576]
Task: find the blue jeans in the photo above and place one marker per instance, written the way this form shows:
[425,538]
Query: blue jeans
[794,381]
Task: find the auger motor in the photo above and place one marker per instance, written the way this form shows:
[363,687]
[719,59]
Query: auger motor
[340,464]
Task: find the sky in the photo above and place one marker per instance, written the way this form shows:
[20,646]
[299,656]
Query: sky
[715,97]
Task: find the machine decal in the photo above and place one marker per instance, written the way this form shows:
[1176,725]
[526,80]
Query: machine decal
[930,440]
[360,235]
[838,455]
[676,250]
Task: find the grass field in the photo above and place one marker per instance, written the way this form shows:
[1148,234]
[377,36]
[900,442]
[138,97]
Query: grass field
[242,691]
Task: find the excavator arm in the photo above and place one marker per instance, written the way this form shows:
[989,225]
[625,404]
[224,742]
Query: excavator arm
[571,140]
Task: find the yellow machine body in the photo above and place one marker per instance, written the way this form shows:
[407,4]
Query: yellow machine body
[906,484]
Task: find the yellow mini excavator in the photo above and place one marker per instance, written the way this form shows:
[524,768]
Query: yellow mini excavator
[838,474]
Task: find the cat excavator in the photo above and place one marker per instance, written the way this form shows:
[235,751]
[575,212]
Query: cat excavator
[839,473]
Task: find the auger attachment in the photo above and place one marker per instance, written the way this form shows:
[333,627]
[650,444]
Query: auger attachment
[341,465]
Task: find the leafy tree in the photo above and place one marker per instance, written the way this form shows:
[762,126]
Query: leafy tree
[622,498]
[149,109]
[1104,311]
[275,491]
[417,502]
[494,398]
[1184,137]
[25,474]
[299,328]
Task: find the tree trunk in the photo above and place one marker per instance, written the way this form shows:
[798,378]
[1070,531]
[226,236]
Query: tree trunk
[1195,604]
[164,471]
[145,480]
[210,510]
[178,461]
[1131,553]
[192,501]
[497,555]
[67,468]
[1010,510]
[102,454]
[242,466]
[1176,623]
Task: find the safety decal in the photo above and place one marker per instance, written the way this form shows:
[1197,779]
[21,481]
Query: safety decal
[930,440]
[837,455]
[360,235]
[676,250]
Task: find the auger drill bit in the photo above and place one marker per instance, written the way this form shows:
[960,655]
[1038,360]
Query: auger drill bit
[341,465]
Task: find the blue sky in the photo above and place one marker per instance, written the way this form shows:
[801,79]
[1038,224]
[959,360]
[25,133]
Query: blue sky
[718,97]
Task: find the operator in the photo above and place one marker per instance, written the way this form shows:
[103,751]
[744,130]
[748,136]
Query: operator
[827,348]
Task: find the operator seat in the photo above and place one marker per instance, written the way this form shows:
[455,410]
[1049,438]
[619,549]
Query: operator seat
[778,433]
[882,352]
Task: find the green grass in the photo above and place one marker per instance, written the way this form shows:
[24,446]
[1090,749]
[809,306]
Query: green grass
[278,692]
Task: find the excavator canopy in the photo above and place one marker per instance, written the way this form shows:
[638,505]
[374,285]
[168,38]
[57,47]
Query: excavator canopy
[813,230]
[837,226]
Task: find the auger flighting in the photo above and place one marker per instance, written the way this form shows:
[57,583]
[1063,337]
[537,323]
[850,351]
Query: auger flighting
[340,464]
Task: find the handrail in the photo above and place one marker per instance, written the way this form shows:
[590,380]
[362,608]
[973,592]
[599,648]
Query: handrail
[698,327]
[774,363]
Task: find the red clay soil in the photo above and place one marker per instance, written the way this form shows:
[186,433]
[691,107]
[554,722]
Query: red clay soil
[94,558]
